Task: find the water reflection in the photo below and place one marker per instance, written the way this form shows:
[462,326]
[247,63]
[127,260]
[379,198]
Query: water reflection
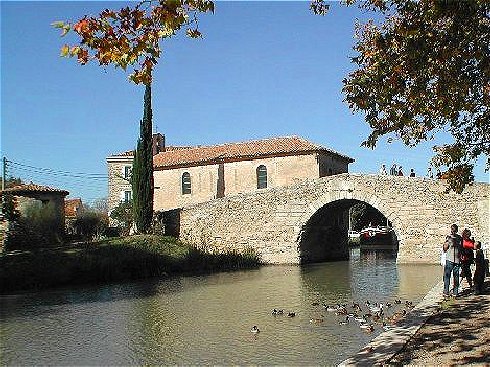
[207,319]
[376,254]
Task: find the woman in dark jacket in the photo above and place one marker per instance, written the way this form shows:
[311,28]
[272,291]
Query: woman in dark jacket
[480,269]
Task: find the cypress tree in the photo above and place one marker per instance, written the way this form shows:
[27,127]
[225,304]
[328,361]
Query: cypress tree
[142,175]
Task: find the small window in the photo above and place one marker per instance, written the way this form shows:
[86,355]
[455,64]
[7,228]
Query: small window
[261,177]
[127,172]
[127,196]
[186,183]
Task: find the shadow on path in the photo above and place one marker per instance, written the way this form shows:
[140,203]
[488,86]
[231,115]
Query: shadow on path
[458,334]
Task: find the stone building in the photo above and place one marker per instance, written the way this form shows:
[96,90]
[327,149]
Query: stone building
[190,175]
[28,195]
[43,199]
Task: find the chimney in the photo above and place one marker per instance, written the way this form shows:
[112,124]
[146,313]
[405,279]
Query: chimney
[158,143]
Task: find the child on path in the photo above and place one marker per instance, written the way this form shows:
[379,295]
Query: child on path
[480,269]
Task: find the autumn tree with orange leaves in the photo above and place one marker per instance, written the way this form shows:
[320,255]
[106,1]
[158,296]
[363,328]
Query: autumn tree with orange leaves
[424,69]
[131,38]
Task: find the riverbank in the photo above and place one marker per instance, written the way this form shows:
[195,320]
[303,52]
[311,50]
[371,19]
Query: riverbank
[113,260]
[436,332]
[457,334]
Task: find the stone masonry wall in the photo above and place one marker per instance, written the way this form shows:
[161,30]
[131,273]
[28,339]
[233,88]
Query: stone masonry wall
[117,183]
[271,221]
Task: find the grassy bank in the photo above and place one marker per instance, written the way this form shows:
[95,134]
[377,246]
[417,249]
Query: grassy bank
[112,260]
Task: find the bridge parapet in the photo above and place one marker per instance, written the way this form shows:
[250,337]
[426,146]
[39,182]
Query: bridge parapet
[273,221]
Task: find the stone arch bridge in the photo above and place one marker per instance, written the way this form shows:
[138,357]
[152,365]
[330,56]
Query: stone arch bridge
[308,222]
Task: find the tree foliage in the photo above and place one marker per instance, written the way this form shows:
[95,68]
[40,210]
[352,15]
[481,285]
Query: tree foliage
[100,205]
[9,209]
[123,214]
[130,36]
[425,69]
[142,173]
[363,215]
[37,226]
[91,225]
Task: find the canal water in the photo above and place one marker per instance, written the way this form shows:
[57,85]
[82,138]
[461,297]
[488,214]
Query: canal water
[206,320]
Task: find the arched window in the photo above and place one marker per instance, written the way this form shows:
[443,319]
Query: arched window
[261,177]
[186,183]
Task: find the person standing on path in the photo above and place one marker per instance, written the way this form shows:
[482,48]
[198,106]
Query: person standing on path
[393,170]
[382,170]
[480,269]
[467,256]
[452,247]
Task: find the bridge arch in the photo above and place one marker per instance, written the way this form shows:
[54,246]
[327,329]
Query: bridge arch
[343,200]
[271,221]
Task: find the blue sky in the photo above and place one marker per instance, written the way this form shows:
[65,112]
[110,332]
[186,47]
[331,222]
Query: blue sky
[263,69]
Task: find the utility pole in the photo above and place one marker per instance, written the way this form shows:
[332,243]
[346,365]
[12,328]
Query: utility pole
[4,169]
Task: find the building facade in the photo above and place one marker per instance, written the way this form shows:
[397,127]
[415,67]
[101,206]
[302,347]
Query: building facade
[190,175]
[119,174]
[48,201]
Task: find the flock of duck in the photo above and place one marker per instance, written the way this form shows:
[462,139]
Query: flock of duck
[366,316]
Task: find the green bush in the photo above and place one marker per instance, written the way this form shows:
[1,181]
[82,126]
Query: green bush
[8,208]
[39,226]
[91,225]
[123,215]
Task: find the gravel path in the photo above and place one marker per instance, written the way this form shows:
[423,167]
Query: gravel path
[458,334]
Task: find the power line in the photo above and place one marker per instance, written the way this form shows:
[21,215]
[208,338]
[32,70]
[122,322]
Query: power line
[58,172]
[54,176]
[91,186]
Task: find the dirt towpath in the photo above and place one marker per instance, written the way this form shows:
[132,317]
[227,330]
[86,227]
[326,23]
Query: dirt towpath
[458,334]
[436,332]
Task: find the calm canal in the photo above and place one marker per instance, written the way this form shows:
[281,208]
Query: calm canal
[206,320]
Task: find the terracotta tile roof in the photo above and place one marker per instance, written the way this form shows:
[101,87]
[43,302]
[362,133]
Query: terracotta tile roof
[130,153]
[272,147]
[73,207]
[32,188]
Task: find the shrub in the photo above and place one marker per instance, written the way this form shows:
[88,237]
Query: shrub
[91,225]
[123,215]
[39,226]
[8,208]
